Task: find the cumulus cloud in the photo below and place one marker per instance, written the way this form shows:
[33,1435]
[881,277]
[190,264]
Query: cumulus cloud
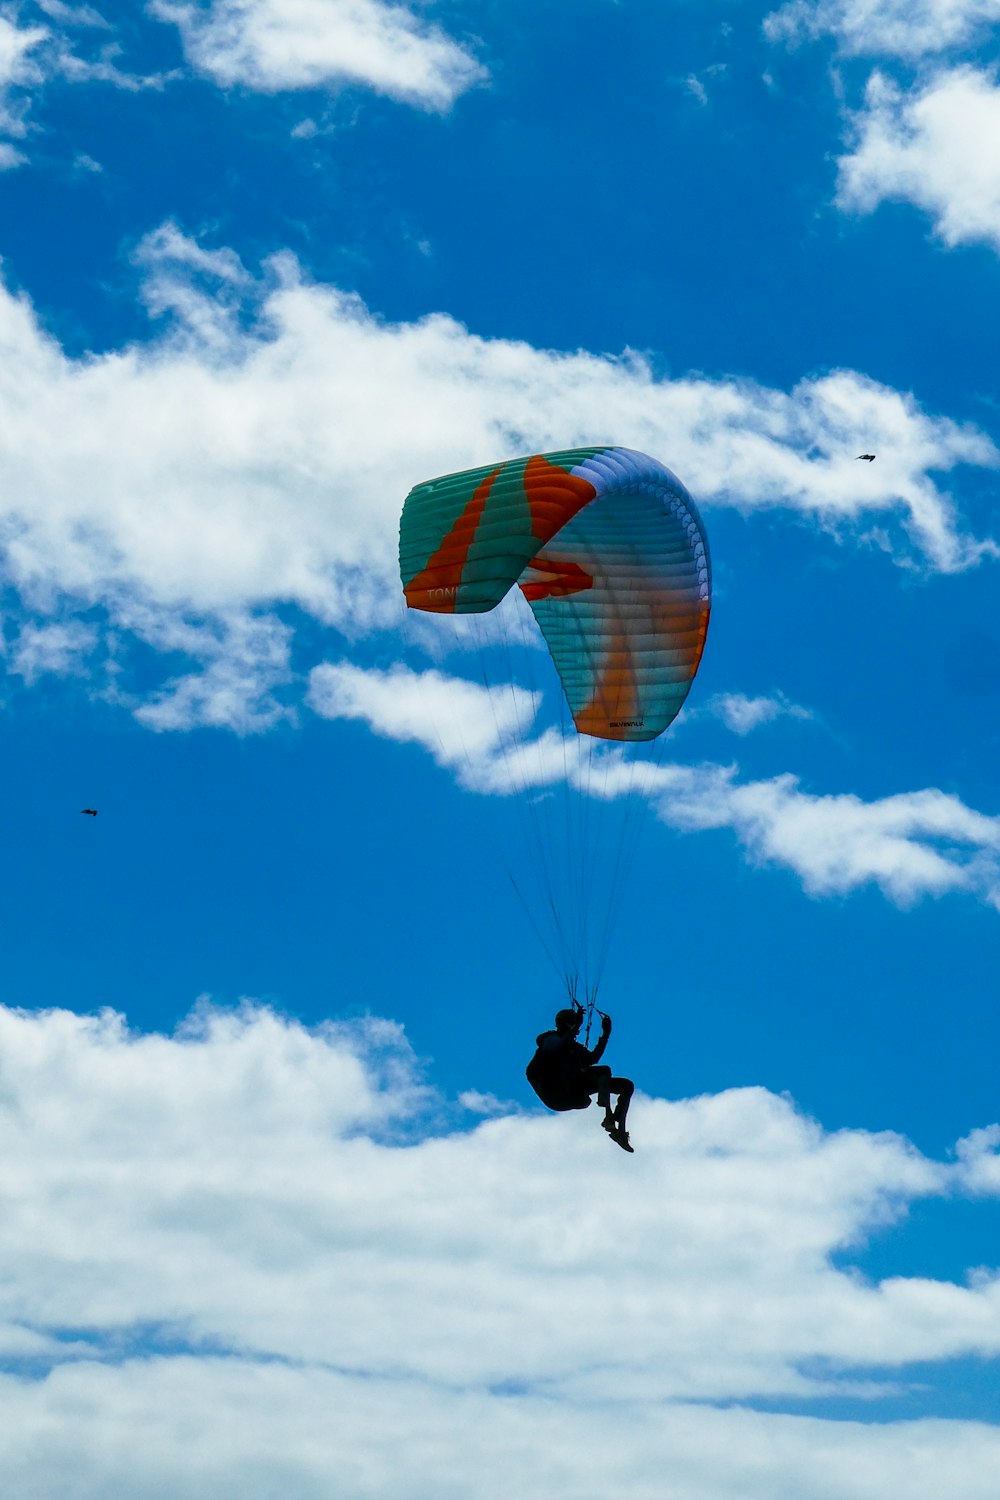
[266,1253]
[896,28]
[271,45]
[254,452]
[743,714]
[937,146]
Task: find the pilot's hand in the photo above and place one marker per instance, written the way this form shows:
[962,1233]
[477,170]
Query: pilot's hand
[605,1025]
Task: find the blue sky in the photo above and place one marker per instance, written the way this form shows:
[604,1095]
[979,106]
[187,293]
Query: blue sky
[279,1213]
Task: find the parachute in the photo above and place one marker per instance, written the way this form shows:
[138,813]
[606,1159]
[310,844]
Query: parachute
[608,549]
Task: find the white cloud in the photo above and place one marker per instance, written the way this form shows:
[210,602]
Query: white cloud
[72,15]
[273,45]
[103,67]
[743,714]
[937,147]
[461,723]
[483,733]
[241,661]
[694,86]
[19,70]
[248,1432]
[30,56]
[979,1160]
[903,28]
[485,1104]
[16,44]
[55,648]
[215,1242]
[910,845]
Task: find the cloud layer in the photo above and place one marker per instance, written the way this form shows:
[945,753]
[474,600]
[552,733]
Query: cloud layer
[280,1227]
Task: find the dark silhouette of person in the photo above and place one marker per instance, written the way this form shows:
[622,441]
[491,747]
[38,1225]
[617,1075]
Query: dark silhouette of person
[565,1074]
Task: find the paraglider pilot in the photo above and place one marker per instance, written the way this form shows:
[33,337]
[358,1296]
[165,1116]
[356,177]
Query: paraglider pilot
[565,1074]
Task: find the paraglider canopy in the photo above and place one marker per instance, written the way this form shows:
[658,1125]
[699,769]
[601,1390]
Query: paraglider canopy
[607,547]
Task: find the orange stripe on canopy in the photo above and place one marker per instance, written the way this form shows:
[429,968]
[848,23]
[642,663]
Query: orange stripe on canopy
[435,586]
[554,496]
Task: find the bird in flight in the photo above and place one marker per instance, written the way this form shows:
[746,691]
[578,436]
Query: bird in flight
[91,810]
[869,456]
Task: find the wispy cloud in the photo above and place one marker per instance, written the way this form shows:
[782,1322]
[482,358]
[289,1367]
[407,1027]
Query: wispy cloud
[240,663]
[263,1242]
[884,27]
[272,45]
[743,714]
[20,70]
[31,56]
[52,648]
[697,84]
[909,845]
